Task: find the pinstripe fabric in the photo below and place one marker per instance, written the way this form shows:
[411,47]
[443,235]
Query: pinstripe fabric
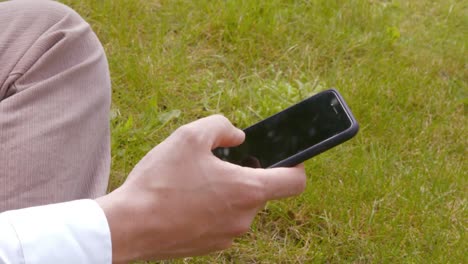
[54,106]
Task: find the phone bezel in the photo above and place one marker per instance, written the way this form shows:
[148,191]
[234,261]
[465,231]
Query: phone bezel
[322,146]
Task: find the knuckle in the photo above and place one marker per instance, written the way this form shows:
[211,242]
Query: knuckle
[188,134]
[255,194]
[220,118]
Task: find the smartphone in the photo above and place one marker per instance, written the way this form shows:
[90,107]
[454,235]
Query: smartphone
[295,134]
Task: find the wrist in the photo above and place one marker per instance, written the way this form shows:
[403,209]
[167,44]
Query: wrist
[120,219]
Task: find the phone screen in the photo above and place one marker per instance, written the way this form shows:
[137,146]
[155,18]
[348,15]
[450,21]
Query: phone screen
[289,132]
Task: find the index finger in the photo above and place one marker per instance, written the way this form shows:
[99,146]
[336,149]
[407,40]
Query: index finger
[216,131]
[282,182]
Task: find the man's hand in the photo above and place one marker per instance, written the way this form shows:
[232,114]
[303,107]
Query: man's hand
[181,200]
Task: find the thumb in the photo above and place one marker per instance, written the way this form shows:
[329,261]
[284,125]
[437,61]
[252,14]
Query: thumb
[281,182]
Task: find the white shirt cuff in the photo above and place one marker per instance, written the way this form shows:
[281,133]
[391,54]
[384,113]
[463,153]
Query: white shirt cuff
[72,232]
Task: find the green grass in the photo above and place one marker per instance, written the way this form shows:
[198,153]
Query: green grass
[397,193]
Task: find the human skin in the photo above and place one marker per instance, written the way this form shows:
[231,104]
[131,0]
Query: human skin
[180,200]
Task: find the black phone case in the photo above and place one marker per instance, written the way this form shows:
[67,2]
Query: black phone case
[324,145]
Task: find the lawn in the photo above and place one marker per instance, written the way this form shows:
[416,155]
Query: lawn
[396,193]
